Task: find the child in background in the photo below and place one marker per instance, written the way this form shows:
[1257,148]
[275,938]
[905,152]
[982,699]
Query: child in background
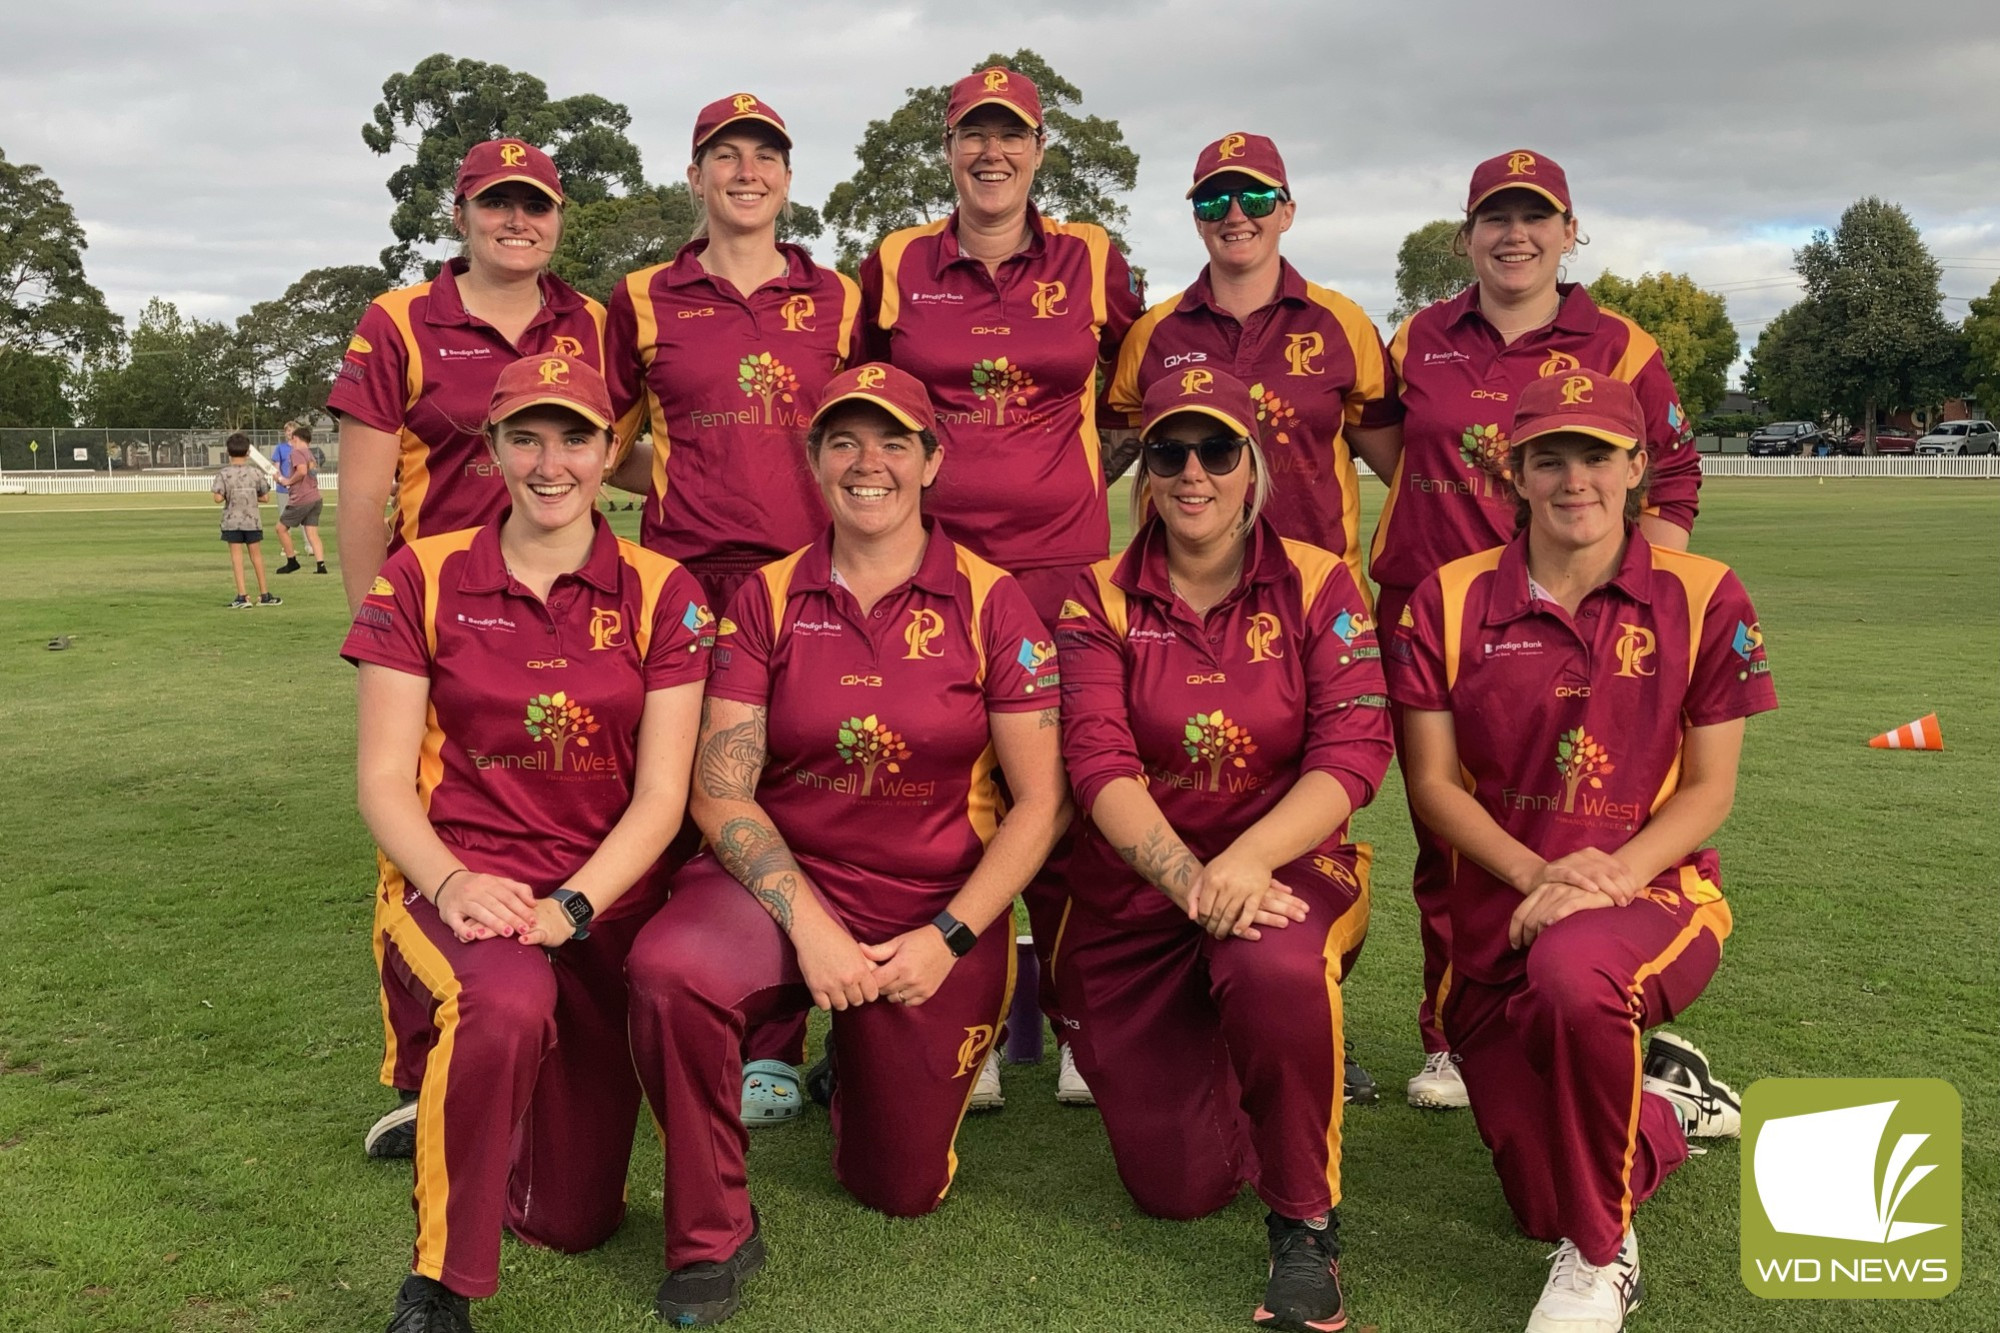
[238,488]
[298,479]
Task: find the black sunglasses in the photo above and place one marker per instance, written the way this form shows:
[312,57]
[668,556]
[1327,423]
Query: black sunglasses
[1258,203]
[1219,456]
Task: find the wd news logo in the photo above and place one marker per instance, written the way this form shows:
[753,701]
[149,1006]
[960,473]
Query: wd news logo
[1851,1188]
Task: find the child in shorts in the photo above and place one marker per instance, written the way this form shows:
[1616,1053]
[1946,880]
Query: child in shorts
[238,488]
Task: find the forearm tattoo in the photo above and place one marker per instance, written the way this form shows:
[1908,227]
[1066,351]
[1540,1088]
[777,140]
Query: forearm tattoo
[752,851]
[732,759]
[1163,859]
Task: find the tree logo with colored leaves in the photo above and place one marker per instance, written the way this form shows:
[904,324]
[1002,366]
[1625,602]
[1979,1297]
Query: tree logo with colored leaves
[1484,450]
[1002,382]
[561,721]
[1277,411]
[761,375]
[1580,759]
[1212,739]
[867,742]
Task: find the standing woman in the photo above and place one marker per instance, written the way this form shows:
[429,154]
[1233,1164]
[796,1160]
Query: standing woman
[411,395]
[1223,716]
[529,692]
[720,356]
[1574,706]
[1006,317]
[1461,366]
[873,691]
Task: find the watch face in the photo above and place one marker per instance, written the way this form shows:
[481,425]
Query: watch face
[577,908]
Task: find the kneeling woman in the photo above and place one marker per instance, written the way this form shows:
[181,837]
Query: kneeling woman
[870,692]
[1575,711]
[529,695]
[1223,715]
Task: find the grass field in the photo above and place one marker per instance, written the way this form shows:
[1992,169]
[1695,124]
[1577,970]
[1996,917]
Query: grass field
[188,1032]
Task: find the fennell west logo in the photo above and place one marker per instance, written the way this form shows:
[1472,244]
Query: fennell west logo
[1851,1188]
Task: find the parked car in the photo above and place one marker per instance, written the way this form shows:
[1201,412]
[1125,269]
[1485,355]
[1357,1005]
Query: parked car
[1783,439]
[1961,437]
[1888,440]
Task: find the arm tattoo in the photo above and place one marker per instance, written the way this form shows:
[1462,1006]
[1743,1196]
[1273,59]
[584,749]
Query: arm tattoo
[1048,717]
[1162,858]
[733,759]
[752,851]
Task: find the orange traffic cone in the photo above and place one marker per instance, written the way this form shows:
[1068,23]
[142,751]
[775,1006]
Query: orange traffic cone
[1923,734]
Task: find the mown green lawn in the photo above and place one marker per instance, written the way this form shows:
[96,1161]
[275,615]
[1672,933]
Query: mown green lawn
[188,1032]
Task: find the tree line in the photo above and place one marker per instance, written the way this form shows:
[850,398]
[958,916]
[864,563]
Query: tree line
[1867,337]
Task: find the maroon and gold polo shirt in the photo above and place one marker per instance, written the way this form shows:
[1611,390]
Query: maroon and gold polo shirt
[881,772]
[1011,364]
[727,384]
[1458,383]
[421,367]
[1315,365]
[1569,730]
[1218,715]
[527,759]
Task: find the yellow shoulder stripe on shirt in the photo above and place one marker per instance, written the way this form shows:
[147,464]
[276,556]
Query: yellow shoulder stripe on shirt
[1639,347]
[1113,596]
[847,345]
[1399,347]
[1699,577]
[1098,242]
[431,553]
[653,570]
[982,576]
[598,317]
[1456,580]
[1362,341]
[1124,395]
[1315,565]
[890,254]
[396,305]
[777,578]
[645,317]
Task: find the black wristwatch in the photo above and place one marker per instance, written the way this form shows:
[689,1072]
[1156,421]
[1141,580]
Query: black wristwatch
[578,909]
[958,936]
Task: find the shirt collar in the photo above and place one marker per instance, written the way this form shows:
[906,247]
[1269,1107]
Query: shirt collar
[1576,314]
[1201,292]
[686,269]
[1143,567]
[447,306]
[485,568]
[936,573]
[1511,599]
[948,252]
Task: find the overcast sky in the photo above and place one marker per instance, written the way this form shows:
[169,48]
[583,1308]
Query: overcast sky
[212,147]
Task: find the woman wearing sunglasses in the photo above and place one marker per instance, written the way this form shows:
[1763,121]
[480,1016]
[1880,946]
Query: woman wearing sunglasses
[1223,715]
[1460,366]
[1005,316]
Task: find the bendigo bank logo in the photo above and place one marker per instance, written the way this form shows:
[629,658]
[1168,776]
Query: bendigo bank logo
[922,631]
[1301,349]
[797,312]
[972,1051]
[1230,147]
[743,102]
[1559,363]
[761,375]
[554,370]
[1197,381]
[560,722]
[1212,739]
[1576,390]
[1050,299]
[867,741]
[1521,164]
[607,629]
[1634,646]
[1262,635]
[513,154]
[565,345]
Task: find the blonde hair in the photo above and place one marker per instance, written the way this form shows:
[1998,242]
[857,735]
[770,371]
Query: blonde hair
[1260,487]
[700,233]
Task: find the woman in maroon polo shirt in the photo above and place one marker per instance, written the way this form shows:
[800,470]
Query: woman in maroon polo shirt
[1460,366]
[871,691]
[1574,706]
[411,395]
[1007,317]
[529,691]
[1223,715]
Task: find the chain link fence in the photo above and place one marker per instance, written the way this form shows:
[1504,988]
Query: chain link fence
[141,451]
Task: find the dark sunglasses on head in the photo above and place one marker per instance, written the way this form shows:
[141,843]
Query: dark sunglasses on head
[1258,203]
[1219,456]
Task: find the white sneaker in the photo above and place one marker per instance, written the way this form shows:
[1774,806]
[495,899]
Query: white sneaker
[1438,1087]
[986,1088]
[1677,1070]
[1071,1090]
[1582,1298]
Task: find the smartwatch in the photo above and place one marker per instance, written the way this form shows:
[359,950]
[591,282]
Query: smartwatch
[578,909]
[958,936]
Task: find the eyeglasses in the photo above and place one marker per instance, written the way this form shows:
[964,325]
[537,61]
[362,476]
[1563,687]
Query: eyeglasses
[1254,203]
[1012,142]
[1219,456]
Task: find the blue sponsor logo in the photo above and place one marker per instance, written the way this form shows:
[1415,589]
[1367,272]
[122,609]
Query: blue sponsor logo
[1749,638]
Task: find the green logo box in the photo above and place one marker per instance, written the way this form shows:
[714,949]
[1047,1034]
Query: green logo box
[1851,1188]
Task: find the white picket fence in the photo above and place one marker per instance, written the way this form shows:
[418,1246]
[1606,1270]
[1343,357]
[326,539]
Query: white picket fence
[1738,465]
[97,483]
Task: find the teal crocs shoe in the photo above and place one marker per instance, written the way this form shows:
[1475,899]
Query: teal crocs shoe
[771,1093]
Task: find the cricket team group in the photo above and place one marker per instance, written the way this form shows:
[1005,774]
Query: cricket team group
[873,672]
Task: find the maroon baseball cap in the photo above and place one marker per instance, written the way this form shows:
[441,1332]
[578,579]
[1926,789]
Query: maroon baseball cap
[995,86]
[726,111]
[553,380]
[498,160]
[896,392]
[1251,155]
[1580,402]
[1518,170]
[1209,392]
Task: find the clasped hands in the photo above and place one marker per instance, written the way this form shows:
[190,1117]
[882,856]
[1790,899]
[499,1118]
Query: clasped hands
[1582,881]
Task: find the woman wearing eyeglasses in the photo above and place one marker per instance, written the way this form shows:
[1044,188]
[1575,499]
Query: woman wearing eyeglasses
[1223,715]
[1005,316]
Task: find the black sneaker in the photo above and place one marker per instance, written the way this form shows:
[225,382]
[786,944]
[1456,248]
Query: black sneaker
[819,1079]
[270,599]
[708,1293]
[425,1305]
[291,566]
[395,1134]
[241,603]
[321,569]
[1303,1293]
[1357,1085]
